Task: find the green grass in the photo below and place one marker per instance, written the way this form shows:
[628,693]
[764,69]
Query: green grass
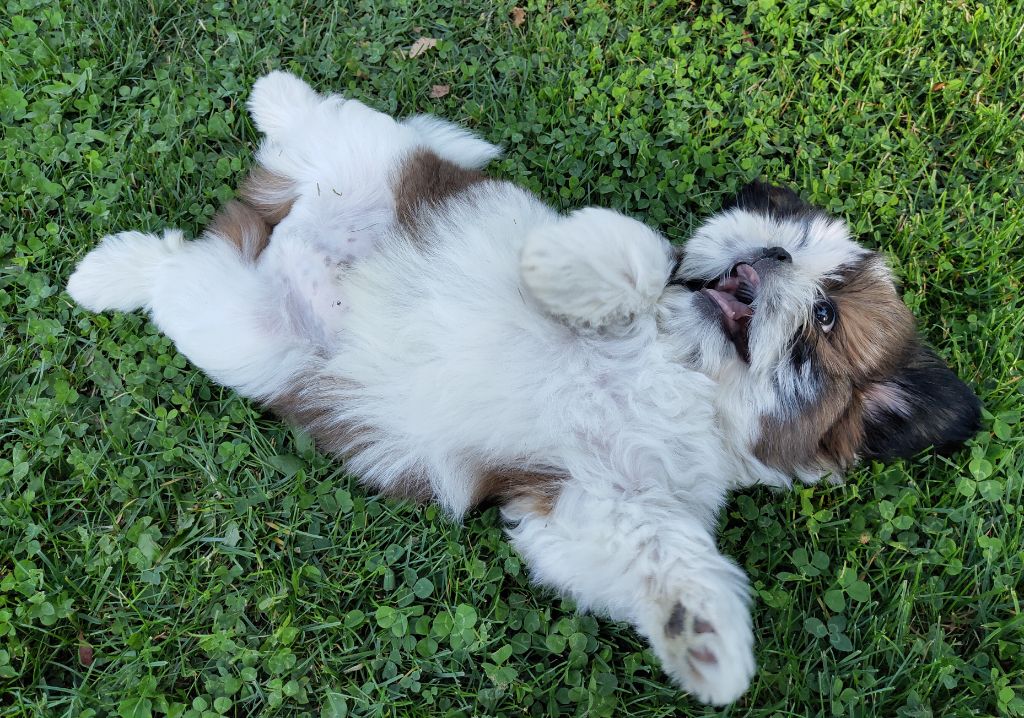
[166,548]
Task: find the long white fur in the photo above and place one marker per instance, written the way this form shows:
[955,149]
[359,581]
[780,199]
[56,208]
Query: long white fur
[452,142]
[521,338]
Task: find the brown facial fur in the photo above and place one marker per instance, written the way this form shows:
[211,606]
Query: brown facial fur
[427,180]
[872,335]
[874,327]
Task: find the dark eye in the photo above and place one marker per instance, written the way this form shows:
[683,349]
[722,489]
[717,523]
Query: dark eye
[825,315]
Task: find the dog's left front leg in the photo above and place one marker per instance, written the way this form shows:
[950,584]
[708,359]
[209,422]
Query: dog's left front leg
[645,559]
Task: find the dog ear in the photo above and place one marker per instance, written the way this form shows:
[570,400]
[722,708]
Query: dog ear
[922,404]
[765,198]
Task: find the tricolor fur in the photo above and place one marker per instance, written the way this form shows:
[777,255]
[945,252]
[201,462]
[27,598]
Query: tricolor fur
[454,338]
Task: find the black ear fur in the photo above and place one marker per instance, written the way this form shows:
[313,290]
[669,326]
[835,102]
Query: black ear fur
[923,404]
[765,198]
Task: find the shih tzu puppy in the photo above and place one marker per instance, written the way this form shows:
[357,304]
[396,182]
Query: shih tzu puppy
[455,339]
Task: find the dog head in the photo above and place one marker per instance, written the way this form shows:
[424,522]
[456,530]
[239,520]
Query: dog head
[817,357]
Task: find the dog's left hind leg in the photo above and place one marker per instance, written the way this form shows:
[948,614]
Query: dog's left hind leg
[336,162]
[243,324]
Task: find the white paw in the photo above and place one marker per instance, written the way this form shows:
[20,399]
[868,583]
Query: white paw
[707,646]
[596,267]
[278,100]
[119,272]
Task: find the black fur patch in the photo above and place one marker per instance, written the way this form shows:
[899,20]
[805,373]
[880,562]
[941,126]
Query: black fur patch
[800,351]
[938,410]
[764,198]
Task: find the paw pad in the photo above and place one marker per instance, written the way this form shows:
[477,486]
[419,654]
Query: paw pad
[677,622]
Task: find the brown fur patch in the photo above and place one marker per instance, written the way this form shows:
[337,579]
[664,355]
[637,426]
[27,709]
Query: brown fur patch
[871,338]
[427,180]
[264,200]
[270,194]
[307,404]
[502,485]
[242,226]
[874,326]
[798,442]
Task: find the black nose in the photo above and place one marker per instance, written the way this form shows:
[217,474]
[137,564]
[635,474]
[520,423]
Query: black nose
[777,253]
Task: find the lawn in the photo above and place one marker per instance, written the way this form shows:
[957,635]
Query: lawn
[167,548]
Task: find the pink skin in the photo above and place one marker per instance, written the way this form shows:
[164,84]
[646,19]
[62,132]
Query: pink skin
[734,312]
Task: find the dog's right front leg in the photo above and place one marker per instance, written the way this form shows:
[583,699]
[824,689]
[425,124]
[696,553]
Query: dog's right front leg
[596,268]
[644,559]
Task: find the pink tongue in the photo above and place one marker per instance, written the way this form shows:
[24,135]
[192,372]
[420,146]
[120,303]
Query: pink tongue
[745,271]
[730,306]
[728,284]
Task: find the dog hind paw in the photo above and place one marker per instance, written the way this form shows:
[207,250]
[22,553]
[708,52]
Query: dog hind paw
[279,100]
[118,273]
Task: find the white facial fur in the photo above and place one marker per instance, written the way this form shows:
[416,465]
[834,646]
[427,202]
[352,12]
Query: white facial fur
[820,248]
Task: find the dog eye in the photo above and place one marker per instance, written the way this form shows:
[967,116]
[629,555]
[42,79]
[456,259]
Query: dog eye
[825,315]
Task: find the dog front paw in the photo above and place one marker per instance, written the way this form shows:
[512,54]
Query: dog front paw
[706,645]
[595,267]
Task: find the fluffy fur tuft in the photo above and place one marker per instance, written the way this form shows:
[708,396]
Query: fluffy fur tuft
[457,145]
[119,274]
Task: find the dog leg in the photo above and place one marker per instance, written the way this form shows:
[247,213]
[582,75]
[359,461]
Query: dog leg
[596,268]
[119,273]
[453,143]
[340,159]
[644,559]
[337,157]
[247,325]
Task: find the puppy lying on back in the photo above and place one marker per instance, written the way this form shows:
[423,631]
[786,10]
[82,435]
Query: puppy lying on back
[453,338]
